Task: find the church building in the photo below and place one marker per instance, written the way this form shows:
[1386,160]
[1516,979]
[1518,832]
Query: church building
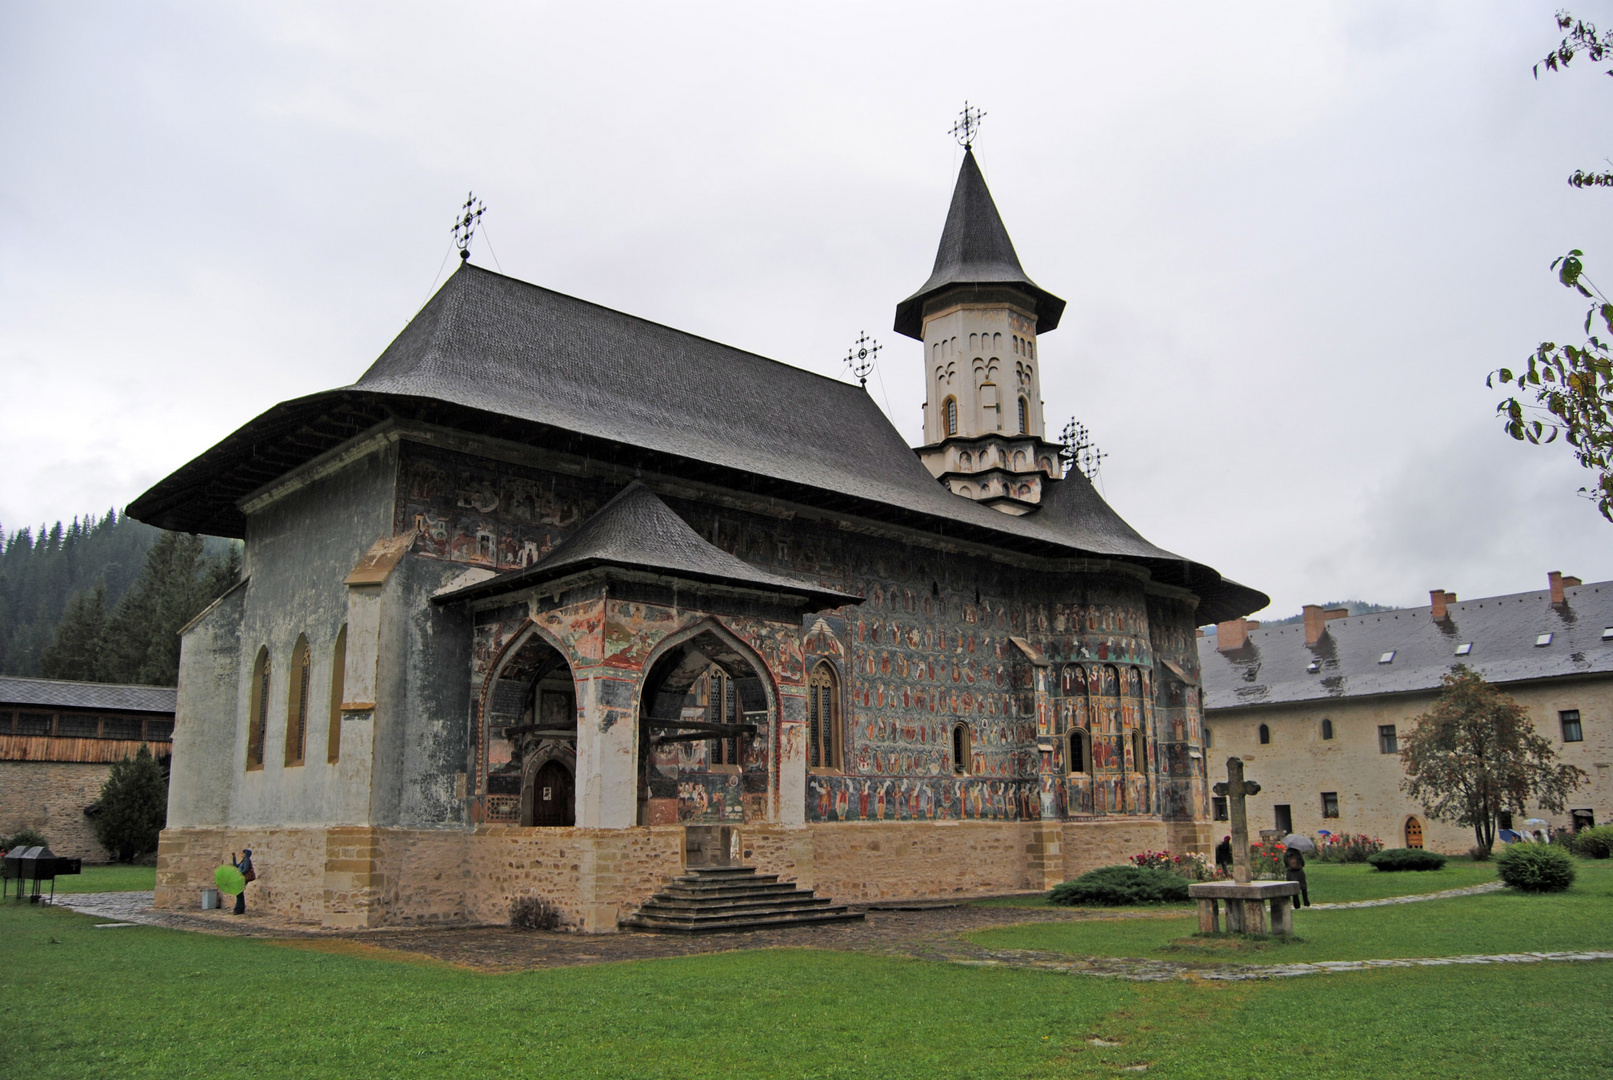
[554,601]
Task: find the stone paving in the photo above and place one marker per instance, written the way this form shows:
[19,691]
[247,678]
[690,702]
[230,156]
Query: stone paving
[934,933]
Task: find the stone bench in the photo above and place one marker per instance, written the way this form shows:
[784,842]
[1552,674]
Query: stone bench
[1246,906]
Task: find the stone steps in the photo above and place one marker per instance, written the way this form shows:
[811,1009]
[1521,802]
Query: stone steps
[728,898]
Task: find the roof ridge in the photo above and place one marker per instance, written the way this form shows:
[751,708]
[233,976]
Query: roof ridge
[85,682]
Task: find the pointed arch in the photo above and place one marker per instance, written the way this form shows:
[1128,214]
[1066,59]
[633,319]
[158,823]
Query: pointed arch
[1080,752]
[338,684]
[298,678]
[258,708]
[824,730]
[949,416]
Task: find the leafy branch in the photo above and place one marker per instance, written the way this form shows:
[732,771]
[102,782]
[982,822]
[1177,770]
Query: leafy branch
[1580,36]
[1572,388]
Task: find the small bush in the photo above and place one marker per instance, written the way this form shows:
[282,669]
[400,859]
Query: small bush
[1113,886]
[1478,854]
[534,913]
[1536,867]
[27,838]
[1594,843]
[1406,858]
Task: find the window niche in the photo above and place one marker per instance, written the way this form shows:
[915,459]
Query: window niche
[338,688]
[1327,729]
[1265,734]
[823,716]
[1573,731]
[962,750]
[1388,741]
[1330,804]
[1080,752]
[258,709]
[297,704]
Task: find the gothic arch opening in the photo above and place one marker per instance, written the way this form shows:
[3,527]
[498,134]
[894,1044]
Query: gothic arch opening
[529,723]
[704,717]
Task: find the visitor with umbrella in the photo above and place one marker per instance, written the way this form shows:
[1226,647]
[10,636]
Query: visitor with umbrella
[1294,848]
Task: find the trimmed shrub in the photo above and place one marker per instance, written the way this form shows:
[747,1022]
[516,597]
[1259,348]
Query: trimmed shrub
[534,913]
[1406,858]
[27,838]
[1112,886]
[1594,843]
[1536,867]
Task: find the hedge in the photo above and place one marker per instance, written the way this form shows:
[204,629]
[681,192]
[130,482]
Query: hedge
[1406,858]
[1121,886]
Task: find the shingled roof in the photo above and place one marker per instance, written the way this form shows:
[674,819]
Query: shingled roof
[637,531]
[501,358]
[61,694]
[1274,667]
[975,252]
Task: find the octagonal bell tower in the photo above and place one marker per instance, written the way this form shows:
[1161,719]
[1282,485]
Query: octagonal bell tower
[979,317]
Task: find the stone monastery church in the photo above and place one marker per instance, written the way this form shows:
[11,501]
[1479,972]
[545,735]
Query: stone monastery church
[522,615]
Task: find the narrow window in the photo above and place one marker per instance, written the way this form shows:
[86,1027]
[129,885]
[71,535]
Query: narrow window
[961,752]
[1218,807]
[1024,417]
[1327,728]
[1330,804]
[1388,743]
[1265,734]
[258,709]
[823,707]
[720,709]
[297,704]
[1139,752]
[338,679]
[952,416]
[1079,757]
[1209,738]
[1572,731]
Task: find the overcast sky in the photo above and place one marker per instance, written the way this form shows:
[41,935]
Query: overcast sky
[1293,238]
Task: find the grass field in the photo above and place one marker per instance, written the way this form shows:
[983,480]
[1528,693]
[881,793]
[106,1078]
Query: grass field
[112,878]
[139,1002]
[1499,922]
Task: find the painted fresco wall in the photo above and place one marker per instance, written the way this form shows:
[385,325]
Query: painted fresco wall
[929,648]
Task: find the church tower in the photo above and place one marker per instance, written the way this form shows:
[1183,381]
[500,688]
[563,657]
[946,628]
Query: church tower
[979,317]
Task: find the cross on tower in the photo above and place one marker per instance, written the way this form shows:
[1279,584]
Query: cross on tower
[464,226]
[1235,790]
[968,125]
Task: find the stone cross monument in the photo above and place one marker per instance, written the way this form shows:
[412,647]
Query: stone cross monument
[1246,900]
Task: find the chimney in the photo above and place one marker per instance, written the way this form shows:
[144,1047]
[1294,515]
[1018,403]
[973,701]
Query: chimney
[1558,582]
[1231,635]
[1440,600]
[1317,618]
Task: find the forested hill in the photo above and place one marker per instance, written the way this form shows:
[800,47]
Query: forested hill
[123,584]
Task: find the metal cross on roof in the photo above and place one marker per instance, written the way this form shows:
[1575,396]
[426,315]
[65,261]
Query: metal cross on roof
[464,226]
[968,125]
[1079,451]
[860,358]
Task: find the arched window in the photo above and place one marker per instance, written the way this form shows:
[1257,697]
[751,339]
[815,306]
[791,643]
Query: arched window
[1209,737]
[1024,417]
[823,709]
[1265,734]
[1080,760]
[722,707]
[951,408]
[962,749]
[1139,752]
[297,704]
[257,709]
[338,678]
[1327,728]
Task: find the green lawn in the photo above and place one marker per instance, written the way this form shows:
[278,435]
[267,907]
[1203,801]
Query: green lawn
[141,1002]
[1495,922]
[114,878]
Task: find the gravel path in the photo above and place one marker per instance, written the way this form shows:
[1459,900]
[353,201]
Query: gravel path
[1471,890]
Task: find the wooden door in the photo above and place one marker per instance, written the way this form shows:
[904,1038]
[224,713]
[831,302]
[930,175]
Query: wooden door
[552,796]
[1414,833]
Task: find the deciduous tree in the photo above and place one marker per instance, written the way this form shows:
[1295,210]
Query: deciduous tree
[1476,754]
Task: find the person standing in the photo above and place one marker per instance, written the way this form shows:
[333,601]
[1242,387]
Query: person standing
[243,864]
[1223,855]
[1294,865]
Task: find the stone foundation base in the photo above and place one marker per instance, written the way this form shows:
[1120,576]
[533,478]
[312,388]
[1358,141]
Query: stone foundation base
[356,876]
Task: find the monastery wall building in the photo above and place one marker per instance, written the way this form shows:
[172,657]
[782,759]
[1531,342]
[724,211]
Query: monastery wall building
[1317,710]
[555,598]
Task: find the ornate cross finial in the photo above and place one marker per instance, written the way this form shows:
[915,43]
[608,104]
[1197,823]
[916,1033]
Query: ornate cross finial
[968,126]
[465,224]
[1079,451]
[861,356]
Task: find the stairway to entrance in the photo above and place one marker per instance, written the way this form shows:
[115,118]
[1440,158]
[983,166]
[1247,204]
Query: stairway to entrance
[714,899]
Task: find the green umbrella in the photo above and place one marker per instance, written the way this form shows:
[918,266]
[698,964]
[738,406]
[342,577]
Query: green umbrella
[229,880]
